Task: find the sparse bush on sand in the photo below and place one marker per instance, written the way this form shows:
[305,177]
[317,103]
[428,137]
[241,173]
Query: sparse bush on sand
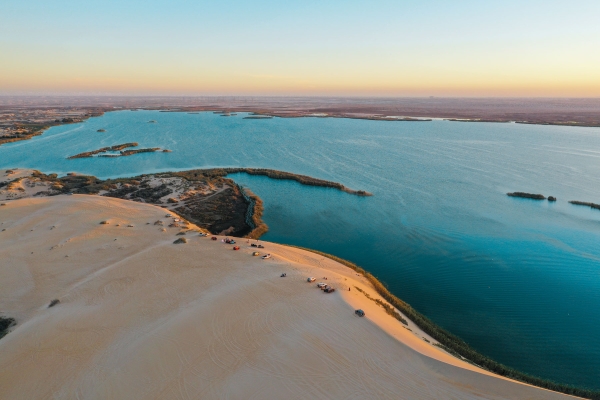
[5,325]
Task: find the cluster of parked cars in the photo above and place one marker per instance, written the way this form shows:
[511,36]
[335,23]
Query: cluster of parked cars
[321,285]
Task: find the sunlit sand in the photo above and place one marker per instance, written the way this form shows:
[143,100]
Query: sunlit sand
[142,318]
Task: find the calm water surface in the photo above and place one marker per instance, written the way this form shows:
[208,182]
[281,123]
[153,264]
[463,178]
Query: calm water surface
[518,279]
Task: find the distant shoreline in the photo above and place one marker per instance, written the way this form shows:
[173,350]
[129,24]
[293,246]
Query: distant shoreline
[32,130]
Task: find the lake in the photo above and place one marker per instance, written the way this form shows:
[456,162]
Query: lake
[517,279]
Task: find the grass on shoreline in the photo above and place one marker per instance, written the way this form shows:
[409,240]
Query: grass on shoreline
[260,228]
[453,344]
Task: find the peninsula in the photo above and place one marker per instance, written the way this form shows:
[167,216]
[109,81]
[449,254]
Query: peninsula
[203,196]
[583,203]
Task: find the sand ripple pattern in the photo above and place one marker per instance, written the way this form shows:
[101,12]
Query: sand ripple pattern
[146,319]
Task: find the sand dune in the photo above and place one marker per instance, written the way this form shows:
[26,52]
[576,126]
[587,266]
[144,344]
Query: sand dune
[142,318]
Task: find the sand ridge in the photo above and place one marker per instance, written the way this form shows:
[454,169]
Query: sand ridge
[142,318]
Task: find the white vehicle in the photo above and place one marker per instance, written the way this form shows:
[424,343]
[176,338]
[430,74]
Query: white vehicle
[266,256]
[321,285]
[311,279]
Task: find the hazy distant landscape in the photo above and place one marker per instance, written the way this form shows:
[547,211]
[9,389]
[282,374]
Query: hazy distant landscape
[292,200]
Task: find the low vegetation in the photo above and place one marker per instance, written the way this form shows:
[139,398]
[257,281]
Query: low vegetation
[227,209]
[453,344]
[275,174]
[117,147]
[254,214]
[583,203]
[527,195]
[388,309]
[5,325]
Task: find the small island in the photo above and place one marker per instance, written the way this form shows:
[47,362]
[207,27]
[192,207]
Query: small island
[117,147]
[527,195]
[583,203]
[120,148]
[258,117]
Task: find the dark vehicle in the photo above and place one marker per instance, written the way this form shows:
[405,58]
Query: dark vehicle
[253,245]
[213,238]
[329,289]
[260,246]
[360,313]
[236,247]
[283,275]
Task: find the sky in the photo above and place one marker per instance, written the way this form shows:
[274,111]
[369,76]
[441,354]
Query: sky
[462,48]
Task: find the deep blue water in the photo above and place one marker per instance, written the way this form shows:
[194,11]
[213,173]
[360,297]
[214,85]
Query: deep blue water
[517,279]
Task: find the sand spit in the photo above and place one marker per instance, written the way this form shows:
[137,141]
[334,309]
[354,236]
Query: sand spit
[139,317]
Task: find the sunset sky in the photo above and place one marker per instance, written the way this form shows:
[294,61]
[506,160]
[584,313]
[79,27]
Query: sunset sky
[264,47]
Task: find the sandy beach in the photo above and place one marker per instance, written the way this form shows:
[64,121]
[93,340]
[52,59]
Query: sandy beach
[143,318]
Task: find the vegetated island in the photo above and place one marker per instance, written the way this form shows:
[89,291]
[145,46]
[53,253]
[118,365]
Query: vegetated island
[258,117]
[476,120]
[527,195]
[583,203]
[119,147]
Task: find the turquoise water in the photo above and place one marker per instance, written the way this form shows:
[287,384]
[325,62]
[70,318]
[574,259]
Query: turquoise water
[517,279]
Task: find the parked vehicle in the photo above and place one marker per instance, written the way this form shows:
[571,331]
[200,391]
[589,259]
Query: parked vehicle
[213,238]
[360,313]
[283,275]
[253,245]
[256,253]
[329,289]
[266,256]
[321,285]
[311,279]
[260,246]
[236,247]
